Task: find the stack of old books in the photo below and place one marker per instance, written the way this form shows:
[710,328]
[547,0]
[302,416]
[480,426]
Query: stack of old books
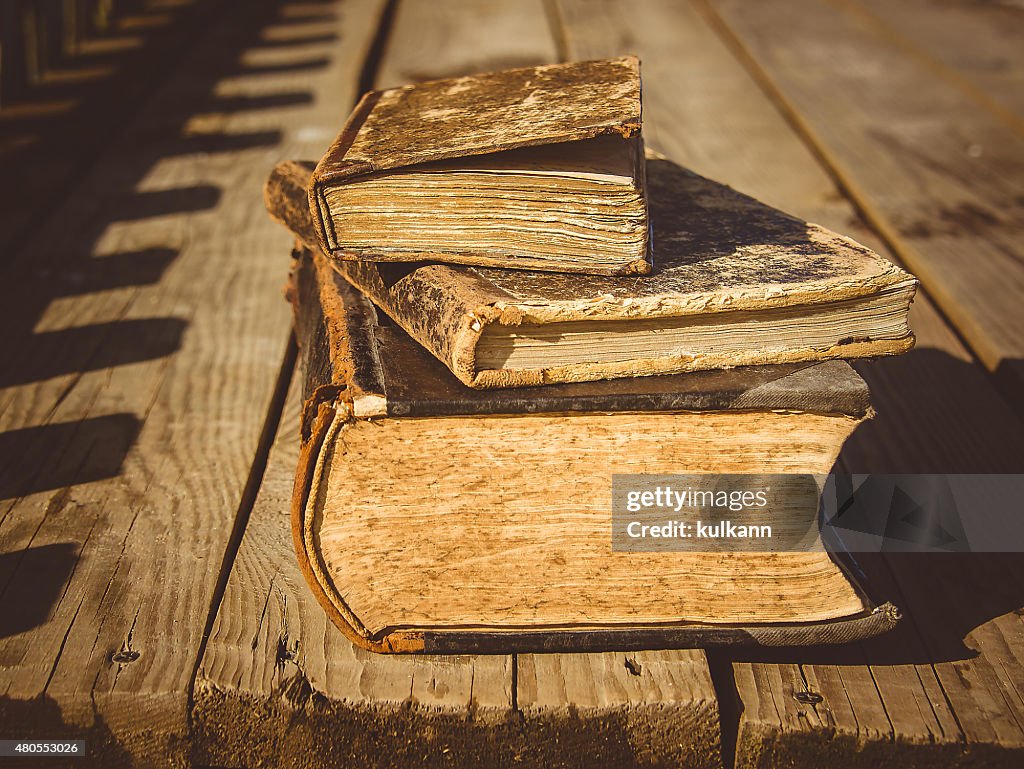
[501,303]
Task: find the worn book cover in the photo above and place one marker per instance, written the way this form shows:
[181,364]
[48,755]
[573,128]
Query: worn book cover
[429,517]
[535,168]
[738,283]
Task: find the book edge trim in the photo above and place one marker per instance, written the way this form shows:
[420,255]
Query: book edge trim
[667,365]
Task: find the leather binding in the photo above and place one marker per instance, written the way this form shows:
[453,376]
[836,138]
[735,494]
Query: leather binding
[356,365]
[476,115]
[716,250]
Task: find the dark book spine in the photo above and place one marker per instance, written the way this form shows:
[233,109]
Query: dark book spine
[336,331]
[315,364]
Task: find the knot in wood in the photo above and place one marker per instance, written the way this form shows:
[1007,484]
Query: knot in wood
[808,698]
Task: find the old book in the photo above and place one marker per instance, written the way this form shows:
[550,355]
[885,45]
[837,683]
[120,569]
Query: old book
[738,283]
[430,517]
[535,168]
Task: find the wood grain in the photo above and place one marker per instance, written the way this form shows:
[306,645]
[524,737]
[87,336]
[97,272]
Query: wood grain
[937,411]
[979,47]
[940,178]
[185,362]
[430,41]
[649,708]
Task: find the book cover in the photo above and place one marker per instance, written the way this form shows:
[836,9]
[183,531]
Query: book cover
[738,283]
[537,167]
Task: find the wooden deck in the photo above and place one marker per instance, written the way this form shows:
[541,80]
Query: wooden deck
[149,598]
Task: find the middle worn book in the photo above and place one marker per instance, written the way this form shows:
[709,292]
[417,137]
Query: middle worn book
[737,283]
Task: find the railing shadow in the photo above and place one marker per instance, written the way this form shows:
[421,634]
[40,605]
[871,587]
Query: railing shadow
[65,251]
[44,572]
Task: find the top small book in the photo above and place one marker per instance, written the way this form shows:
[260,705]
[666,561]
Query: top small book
[538,168]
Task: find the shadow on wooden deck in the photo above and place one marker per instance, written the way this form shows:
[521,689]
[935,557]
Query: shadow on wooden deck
[50,266]
[944,596]
[44,571]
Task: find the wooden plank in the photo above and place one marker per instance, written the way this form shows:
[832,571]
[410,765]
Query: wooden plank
[963,618]
[650,708]
[448,39]
[938,177]
[577,704]
[977,46]
[168,380]
[281,686]
[703,110]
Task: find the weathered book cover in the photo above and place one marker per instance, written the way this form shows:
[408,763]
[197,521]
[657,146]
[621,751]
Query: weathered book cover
[479,115]
[365,377]
[722,257]
[354,353]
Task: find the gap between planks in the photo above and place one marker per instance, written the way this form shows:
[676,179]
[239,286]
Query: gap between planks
[887,28]
[271,426]
[276,407]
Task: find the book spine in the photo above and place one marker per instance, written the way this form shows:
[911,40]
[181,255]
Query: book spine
[316,364]
[333,168]
[442,309]
[336,333]
[428,308]
[284,195]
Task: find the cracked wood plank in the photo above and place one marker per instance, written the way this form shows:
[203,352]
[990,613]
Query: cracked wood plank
[937,410]
[149,331]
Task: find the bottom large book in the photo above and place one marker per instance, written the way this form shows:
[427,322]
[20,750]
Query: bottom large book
[433,518]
